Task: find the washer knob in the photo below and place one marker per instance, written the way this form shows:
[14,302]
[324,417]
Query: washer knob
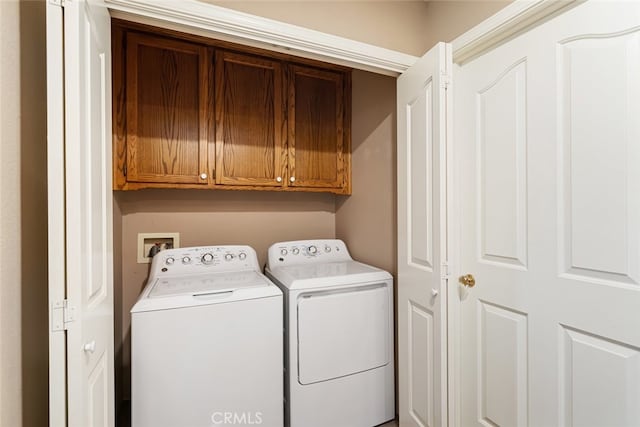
[228,257]
[242,256]
[312,250]
[207,258]
[283,252]
[327,249]
[169,261]
[295,251]
[186,260]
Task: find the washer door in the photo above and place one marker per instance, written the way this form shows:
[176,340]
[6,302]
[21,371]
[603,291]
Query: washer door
[343,332]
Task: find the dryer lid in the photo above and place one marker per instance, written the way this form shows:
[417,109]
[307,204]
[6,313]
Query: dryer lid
[329,274]
[330,269]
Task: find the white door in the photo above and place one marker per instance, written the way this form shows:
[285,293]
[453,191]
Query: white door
[422,150]
[80,201]
[548,154]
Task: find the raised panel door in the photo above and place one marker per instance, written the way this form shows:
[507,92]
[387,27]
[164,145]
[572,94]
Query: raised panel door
[250,144]
[318,139]
[166,110]
[423,142]
[88,242]
[549,195]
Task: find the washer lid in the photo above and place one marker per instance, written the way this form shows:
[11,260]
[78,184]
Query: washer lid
[206,284]
[326,274]
[212,288]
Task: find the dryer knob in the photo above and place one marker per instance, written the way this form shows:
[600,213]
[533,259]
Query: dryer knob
[312,250]
[169,261]
[186,260]
[295,251]
[327,249]
[228,257]
[242,256]
[207,258]
[283,252]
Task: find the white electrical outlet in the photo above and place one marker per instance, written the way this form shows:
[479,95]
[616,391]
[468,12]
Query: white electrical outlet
[148,240]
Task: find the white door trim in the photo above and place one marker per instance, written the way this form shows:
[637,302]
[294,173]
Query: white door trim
[518,17]
[56,215]
[226,24]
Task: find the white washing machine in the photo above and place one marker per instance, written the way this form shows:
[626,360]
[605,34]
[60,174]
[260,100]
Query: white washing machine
[206,338]
[339,369]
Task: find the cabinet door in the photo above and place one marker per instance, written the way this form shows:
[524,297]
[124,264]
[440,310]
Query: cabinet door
[317,149]
[250,148]
[166,92]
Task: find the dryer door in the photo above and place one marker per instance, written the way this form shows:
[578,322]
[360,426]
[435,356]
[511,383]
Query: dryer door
[343,332]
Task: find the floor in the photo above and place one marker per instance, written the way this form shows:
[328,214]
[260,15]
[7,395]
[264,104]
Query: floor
[393,423]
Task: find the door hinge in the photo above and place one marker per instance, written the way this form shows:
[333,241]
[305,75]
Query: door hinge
[444,271]
[61,315]
[445,78]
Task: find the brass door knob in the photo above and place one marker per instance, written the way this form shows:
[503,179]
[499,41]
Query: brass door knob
[467,280]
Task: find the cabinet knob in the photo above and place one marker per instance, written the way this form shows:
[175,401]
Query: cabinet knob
[279,179]
[292,179]
[203,176]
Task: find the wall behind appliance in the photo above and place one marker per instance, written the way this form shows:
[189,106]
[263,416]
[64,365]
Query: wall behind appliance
[366,220]
[23,216]
[214,217]
[117,303]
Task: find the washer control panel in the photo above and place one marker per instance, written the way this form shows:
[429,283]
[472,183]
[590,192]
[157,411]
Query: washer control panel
[307,251]
[200,259]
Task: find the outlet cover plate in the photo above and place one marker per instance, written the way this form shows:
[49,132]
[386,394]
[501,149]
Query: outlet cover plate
[147,240]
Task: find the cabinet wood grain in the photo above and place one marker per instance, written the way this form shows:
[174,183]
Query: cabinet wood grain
[119,111]
[193,112]
[249,120]
[316,128]
[166,109]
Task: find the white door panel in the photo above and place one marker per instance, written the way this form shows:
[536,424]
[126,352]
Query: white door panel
[547,148]
[89,266]
[422,147]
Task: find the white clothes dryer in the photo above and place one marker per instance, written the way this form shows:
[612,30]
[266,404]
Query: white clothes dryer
[339,368]
[207,341]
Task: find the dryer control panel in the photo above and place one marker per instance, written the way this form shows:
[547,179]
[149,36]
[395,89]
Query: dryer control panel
[307,252]
[204,259]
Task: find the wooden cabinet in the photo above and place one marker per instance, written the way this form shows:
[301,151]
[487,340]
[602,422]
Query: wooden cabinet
[190,112]
[250,146]
[318,144]
[166,111]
